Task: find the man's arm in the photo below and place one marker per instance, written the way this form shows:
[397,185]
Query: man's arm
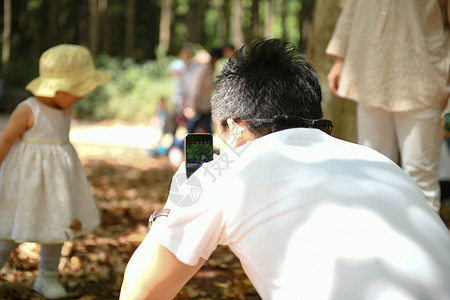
[153,272]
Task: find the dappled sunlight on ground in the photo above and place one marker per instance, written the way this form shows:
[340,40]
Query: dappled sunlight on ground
[127,186]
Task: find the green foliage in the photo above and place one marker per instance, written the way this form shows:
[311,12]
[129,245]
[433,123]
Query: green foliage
[199,152]
[133,93]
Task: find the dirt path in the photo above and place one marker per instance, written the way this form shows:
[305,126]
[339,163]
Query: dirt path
[118,140]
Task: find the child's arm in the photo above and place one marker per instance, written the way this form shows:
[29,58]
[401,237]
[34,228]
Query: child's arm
[20,120]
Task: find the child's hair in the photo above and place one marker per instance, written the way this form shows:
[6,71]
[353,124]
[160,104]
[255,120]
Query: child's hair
[67,68]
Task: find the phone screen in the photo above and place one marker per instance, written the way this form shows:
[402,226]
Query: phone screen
[198,149]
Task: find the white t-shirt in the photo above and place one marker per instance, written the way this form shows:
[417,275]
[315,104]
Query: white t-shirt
[311,217]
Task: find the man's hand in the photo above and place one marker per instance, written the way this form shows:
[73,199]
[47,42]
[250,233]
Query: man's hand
[334,76]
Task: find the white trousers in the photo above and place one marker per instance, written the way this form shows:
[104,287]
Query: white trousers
[411,139]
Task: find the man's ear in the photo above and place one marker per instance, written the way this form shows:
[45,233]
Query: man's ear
[235,127]
[231,123]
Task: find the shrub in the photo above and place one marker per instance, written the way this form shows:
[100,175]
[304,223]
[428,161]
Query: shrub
[132,94]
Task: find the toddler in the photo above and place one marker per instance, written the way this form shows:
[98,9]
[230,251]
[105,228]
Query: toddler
[44,194]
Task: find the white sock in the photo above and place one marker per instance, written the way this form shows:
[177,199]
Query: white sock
[50,255]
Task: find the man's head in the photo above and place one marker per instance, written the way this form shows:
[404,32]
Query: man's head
[263,80]
[216,54]
[185,54]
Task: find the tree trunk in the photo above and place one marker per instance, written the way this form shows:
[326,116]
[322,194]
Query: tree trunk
[154,19]
[306,15]
[196,21]
[6,31]
[53,23]
[164,24]
[172,42]
[221,32]
[255,22]
[268,20]
[247,28]
[342,112]
[237,35]
[227,7]
[104,24]
[93,28]
[129,27]
[83,26]
[72,22]
[283,18]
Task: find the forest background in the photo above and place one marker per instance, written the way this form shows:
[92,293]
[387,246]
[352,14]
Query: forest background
[135,40]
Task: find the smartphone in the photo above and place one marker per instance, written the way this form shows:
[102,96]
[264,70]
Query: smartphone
[198,149]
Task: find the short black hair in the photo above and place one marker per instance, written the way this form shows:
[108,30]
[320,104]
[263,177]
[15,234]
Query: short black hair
[265,79]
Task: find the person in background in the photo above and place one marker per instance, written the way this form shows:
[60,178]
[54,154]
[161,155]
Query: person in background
[198,109]
[181,71]
[44,194]
[161,122]
[227,52]
[393,58]
[309,216]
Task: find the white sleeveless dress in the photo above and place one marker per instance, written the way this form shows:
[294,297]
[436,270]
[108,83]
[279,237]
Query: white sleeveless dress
[43,186]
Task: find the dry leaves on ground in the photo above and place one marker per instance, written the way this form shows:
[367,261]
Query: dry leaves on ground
[92,267]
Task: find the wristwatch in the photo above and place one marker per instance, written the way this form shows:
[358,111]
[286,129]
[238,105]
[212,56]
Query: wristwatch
[156,214]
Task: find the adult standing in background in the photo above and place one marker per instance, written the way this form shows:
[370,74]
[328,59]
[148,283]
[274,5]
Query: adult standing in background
[393,58]
[227,52]
[198,110]
[181,71]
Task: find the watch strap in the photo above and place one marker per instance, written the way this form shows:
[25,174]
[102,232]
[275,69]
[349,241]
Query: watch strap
[156,214]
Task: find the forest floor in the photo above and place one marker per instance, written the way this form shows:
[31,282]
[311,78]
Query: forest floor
[127,186]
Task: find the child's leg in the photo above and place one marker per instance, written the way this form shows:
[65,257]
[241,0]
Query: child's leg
[6,247]
[47,282]
[50,255]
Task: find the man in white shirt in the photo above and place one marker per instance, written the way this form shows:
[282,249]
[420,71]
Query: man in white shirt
[309,216]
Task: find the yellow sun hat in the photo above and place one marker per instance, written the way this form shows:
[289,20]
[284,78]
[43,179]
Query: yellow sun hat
[67,68]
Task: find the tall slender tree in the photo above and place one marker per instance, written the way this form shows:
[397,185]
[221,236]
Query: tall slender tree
[268,19]
[255,21]
[6,50]
[93,26]
[237,34]
[341,112]
[165,24]
[196,21]
[306,16]
[53,11]
[129,27]
[283,15]
[104,24]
